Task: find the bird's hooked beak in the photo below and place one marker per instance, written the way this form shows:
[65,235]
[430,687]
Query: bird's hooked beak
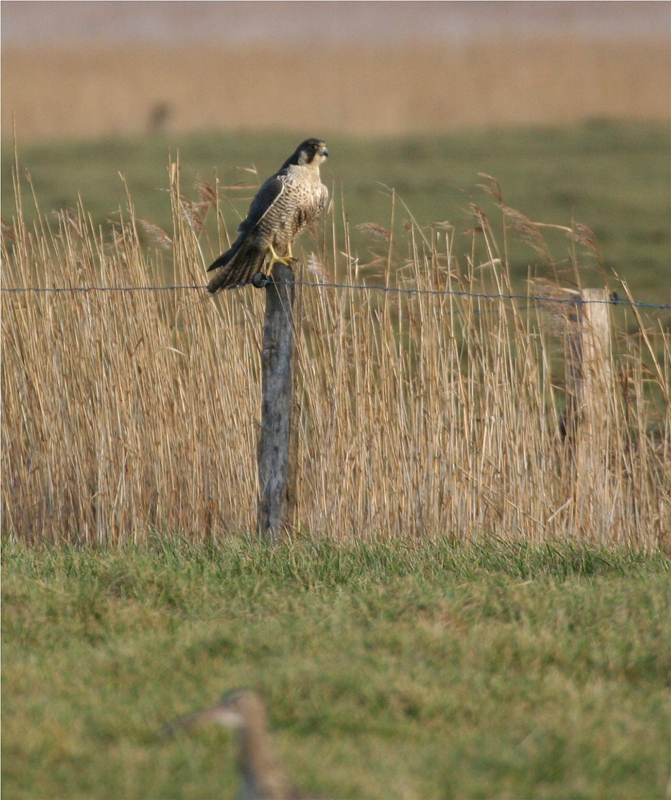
[323,151]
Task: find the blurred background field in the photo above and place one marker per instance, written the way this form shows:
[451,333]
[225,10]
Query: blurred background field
[389,90]
[364,69]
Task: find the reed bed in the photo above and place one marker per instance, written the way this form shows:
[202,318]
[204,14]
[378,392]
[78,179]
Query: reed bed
[416,414]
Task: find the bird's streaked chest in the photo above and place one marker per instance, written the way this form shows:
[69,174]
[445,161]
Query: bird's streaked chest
[300,201]
[303,184]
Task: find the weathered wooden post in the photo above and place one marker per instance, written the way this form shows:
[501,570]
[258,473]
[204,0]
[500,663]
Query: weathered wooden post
[588,365]
[590,412]
[596,356]
[276,361]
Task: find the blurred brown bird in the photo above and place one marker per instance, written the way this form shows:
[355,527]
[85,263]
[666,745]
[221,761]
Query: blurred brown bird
[243,711]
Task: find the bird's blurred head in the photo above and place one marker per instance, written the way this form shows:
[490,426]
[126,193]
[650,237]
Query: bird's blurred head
[238,709]
[311,152]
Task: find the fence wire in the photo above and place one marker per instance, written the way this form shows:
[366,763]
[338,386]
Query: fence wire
[614,298]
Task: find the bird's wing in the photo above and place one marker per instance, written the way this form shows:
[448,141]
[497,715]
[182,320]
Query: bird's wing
[264,200]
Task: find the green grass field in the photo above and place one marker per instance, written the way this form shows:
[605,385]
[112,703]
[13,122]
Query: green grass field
[612,177]
[391,671]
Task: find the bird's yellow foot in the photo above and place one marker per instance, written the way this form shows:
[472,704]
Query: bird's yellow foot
[275,259]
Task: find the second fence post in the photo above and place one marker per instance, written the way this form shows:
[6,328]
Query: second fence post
[592,416]
[276,361]
[588,366]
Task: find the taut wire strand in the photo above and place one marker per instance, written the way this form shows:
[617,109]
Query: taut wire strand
[614,299]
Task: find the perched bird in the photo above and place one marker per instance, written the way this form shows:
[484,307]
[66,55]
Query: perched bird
[243,711]
[286,203]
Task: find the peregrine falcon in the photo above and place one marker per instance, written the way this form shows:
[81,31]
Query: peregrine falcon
[286,203]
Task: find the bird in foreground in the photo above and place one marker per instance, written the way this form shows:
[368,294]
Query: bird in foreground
[288,202]
[243,711]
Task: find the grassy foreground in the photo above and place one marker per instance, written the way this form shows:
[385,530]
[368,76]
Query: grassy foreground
[434,671]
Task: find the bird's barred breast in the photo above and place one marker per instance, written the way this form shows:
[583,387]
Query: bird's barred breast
[297,207]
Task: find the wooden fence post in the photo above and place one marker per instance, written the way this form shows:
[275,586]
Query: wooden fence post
[588,364]
[596,356]
[590,413]
[276,358]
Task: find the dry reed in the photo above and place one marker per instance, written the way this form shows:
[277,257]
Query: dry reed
[417,414]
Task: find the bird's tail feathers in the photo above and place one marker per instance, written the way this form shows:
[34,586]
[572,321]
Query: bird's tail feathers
[239,265]
[224,258]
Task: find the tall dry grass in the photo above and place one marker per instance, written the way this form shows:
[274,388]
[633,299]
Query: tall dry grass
[408,88]
[416,414]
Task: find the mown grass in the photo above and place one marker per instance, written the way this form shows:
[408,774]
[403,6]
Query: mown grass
[392,671]
[613,177]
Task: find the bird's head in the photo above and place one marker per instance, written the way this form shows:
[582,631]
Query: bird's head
[311,152]
[239,708]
